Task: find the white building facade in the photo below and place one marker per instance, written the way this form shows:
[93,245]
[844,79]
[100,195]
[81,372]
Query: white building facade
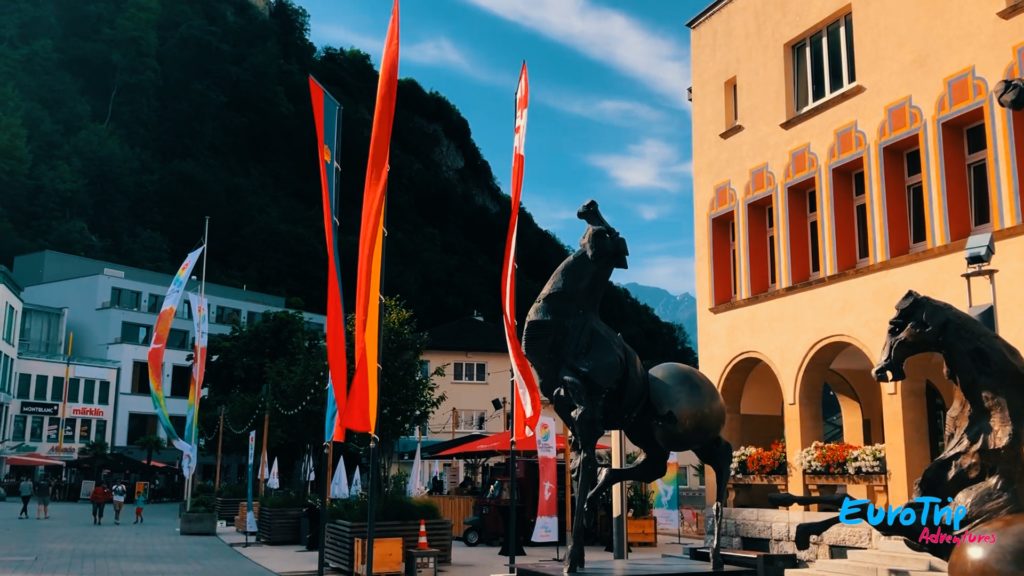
[111,310]
[10,313]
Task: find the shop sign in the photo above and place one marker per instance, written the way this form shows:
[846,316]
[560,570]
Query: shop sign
[40,408]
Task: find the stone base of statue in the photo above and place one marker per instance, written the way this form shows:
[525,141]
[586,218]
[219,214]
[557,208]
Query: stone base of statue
[638,567]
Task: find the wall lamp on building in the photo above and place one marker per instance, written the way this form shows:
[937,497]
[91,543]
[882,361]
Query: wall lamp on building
[978,253]
[1010,93]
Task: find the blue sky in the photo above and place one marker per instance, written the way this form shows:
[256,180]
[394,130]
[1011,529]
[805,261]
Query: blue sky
[608,113]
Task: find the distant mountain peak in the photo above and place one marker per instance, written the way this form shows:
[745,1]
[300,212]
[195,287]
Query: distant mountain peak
[676,308]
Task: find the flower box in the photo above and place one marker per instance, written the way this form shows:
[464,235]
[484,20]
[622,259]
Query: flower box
[280,525]
[845,479]
[339,548]
[642,531]
[842,459]
[752,461]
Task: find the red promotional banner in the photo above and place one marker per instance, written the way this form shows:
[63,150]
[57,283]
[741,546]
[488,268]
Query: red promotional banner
[546,528]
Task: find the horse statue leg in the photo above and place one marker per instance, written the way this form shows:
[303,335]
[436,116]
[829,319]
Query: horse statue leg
[588,430]
[718,454]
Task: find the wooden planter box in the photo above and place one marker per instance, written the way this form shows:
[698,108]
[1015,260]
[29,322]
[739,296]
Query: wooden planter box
[456,509]
[387,556]
[777,480]
[198,523]
[243,509]
[847,479]
[280,525]
[642,531]
[227,508]
[339,547]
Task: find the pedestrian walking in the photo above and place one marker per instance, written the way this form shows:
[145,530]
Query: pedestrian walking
[99,498]
[43,492]
[25,489]
[140,504]
[119,492]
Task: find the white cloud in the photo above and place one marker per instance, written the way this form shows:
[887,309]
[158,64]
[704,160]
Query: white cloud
[651,164]
[673,273]
[607,36]
[336,35]
[651,212]
[609,111]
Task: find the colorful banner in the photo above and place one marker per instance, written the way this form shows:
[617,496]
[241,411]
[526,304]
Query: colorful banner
[250,516]
[201,324]
[161,330]
[546,528]
[527,400]
[666,496]
[327,117]
[361,410]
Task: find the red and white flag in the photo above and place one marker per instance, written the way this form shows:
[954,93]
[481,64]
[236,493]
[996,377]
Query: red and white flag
[527,401]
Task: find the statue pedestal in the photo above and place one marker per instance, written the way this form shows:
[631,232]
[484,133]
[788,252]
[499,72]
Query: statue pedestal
[637,567]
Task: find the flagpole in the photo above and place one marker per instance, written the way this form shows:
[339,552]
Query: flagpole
[371,503]
[322,528]
[64,400]
[512,541]
[195,415]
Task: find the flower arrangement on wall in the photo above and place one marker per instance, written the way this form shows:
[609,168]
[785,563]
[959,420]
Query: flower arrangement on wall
[842,458]
[752,460]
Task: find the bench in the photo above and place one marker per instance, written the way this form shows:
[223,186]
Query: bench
[766,563]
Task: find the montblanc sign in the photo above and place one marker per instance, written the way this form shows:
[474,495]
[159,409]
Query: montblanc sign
[40,408]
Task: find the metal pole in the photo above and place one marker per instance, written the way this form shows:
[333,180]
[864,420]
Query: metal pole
[220,445]
[619,544]
[64,401]
[266,428]
[322,532]
[995,315]
[513,539]
[568,483]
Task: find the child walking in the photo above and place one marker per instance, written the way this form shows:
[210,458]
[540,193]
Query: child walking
[140,503]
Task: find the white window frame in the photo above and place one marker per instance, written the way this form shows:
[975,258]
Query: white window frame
[471,420]
[858,201]
[732,257]
[812,225]
[476,379]
[805,44]
[973,160]
[773,273]
[908,183]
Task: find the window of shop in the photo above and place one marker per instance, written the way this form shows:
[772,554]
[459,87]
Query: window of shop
[823,63]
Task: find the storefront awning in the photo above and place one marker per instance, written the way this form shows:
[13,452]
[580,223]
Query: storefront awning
[32,460]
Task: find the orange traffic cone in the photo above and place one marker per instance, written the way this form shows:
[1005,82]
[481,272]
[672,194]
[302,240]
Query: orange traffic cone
[421,544]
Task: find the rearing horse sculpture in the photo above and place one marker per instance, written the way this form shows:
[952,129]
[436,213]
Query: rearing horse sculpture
[982,466]
[596,382]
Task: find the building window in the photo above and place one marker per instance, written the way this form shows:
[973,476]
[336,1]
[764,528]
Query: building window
[69,430]
[89,392]
[35,430]
[732,113]
[104,396]
[24,391]
[154,303]
[315,327]
[40,391]
[5,380]
[178,339]
[915,199]
[100,435]
[180,378]
[140,425]
[18,428]
[178,423]
[85,430]
[73,386]
[472,420]
[52,427]
[252,318]
[132,333]
[425,368]
[812,231]
[977,175]
[184,310]
[57,390]
[40,331]
[723,270]
[470,372]
[140,378]
[10,317]
[226,315]
[860,211]
[770,240]
[124,298]
[823,63]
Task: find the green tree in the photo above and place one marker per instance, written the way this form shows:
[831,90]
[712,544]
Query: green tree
[98,450]
[151,443]
[407,393]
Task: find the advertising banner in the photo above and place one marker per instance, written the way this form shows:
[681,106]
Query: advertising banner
[666,496]
[546,528]
[250,517]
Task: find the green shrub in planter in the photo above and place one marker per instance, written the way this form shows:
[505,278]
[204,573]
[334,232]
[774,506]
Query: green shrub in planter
[233,491]
[389,509]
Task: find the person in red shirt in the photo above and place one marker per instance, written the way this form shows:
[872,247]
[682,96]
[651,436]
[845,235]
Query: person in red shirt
[99,498]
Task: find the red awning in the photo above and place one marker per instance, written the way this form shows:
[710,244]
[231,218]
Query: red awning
[32,460]
[497,444]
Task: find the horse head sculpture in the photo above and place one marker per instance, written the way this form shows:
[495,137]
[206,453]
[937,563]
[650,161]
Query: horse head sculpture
[916,328]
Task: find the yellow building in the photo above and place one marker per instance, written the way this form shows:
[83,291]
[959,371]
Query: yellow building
[843,152]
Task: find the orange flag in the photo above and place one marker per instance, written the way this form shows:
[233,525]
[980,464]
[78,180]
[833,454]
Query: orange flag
[361,408]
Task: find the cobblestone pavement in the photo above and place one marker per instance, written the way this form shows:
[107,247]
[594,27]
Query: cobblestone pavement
[69,543]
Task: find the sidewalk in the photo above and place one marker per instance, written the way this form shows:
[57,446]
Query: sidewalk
[466,561]
[68,543]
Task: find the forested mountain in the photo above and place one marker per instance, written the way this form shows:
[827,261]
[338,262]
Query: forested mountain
[124,122]
[681,309]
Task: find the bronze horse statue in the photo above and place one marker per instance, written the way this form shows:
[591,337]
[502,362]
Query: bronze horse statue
[596,382]
[982,466]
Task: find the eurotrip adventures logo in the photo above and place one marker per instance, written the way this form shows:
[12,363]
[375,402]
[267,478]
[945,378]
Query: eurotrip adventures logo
[545,432]
[928,514]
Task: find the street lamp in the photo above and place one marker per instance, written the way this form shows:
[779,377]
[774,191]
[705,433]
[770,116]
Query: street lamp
[978,253]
